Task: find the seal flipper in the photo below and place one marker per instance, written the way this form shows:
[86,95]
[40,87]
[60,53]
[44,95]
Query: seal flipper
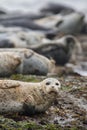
[8,84]
[29,105]
[28,109]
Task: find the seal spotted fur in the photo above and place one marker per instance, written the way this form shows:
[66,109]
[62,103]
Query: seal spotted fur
[17,96]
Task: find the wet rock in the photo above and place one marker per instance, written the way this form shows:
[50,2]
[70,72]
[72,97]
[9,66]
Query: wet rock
[80,68]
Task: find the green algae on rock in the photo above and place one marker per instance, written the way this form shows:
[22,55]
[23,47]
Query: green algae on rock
[27,78]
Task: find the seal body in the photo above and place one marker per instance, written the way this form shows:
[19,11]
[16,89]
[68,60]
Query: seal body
[50,21]
[17,96]
[17,15]
[19,38]
[8,63]
[56,8]
[63,50]
[25,23]
[72,23]
[67,24]
[31,62]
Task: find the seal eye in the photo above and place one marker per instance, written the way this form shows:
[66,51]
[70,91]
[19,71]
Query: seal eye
[48,83]
[57,83]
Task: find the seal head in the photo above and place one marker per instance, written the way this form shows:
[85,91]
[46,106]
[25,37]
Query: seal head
[51,85]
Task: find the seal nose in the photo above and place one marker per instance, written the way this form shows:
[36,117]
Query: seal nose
[52,86]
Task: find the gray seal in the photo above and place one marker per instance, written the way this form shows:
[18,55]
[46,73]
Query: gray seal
[31,62]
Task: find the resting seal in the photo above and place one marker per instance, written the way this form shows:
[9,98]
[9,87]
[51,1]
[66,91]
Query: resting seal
[56,8]
[17,96]
[63,50]
[8,63]
[30,62]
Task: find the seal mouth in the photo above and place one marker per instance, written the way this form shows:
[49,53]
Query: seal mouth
[53,92]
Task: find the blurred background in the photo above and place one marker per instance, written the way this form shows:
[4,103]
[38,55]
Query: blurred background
[34,5]
[38,38]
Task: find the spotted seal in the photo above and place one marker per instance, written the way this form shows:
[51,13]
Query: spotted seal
[18,96]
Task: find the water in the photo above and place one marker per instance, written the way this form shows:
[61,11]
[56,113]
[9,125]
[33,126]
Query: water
[34,5]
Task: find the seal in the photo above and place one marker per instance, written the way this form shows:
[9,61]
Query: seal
[8,63]
[50,21]
[63,50]
[67,24]
[18,38]
[56,8]
[28,97]
[72,23]
[17,15]
[21,39]
[31,62]
[25,23]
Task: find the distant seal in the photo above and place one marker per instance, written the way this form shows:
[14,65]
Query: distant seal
[18,38]
[8,63]
[63,50]
[16,15]
[31,62]
[67,24]
[56,8]
[17,96]
[25,23]
[72,23]
[50,21]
